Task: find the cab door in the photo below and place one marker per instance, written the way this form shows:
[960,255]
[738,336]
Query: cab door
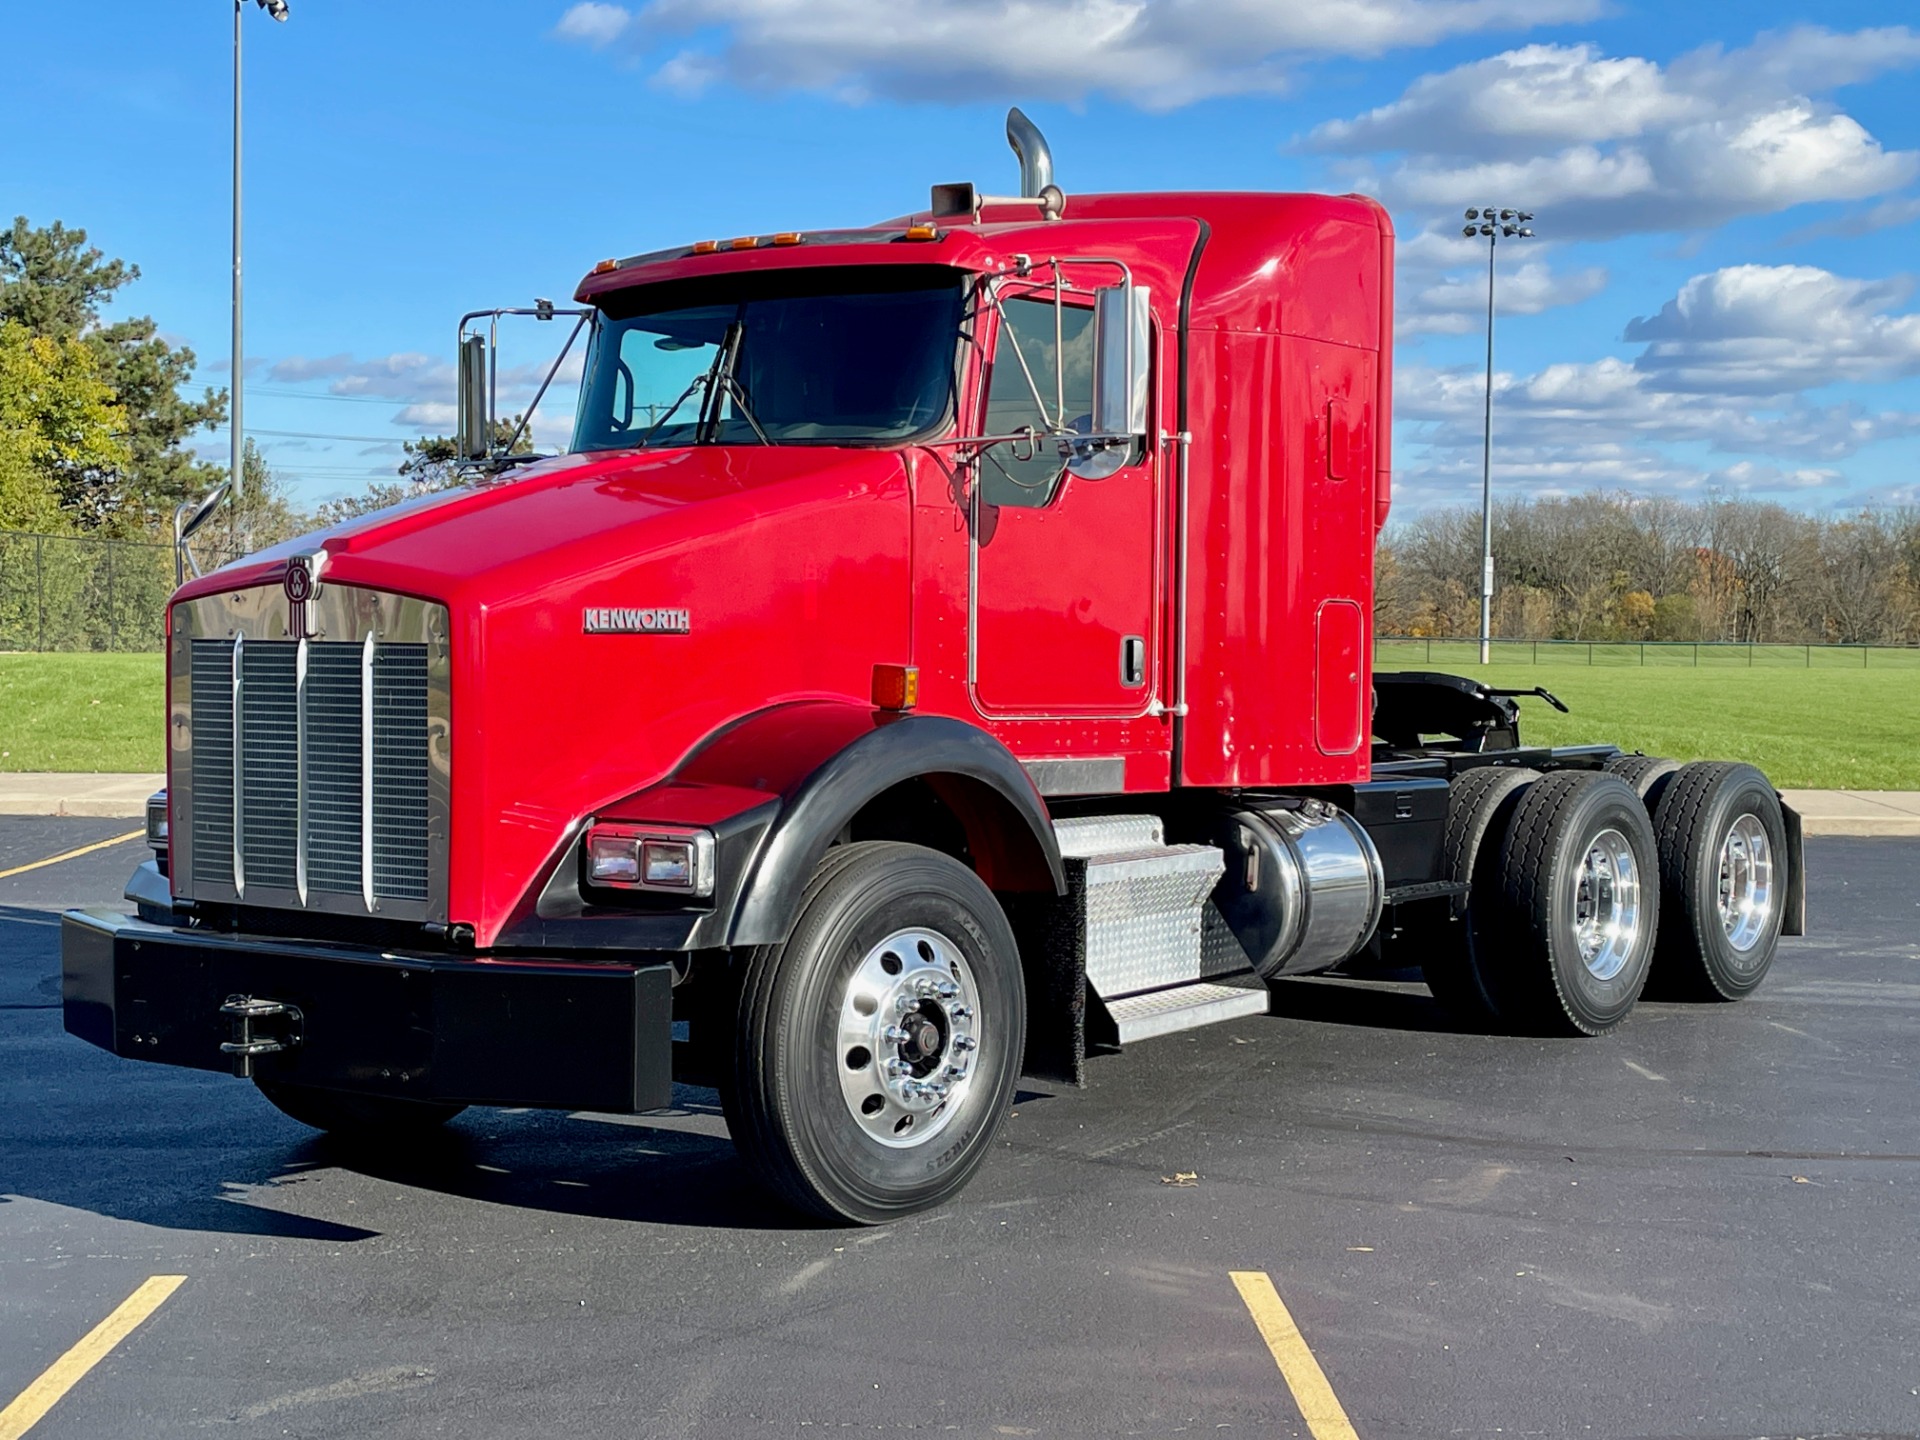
[1063,595]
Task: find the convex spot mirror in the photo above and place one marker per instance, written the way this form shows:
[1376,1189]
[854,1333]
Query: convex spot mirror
[1122,350]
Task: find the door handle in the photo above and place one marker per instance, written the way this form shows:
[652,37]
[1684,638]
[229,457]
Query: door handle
[1133,661]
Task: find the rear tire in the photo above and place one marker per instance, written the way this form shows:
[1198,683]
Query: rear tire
[1580,895]
[1723,877]
[1647,774]
[1479,807]
[370,1118]
[878,1047]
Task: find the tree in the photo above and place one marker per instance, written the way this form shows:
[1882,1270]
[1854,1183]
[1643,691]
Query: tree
[58,429]
[432,463]
[56,285]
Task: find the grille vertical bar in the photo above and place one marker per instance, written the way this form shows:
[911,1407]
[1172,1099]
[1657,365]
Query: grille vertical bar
[210,668]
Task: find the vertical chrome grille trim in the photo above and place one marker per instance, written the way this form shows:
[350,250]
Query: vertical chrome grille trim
[239,782]
[366,771]
[300,772]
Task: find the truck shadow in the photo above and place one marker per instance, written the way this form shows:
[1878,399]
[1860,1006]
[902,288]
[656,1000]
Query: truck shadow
[191,1150]
[1393,1001]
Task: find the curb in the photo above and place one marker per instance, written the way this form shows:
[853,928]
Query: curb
[74,796]
[1860,813]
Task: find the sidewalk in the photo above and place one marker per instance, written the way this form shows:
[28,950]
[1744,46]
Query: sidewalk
[94,795]
[1857,812]
[1826,812]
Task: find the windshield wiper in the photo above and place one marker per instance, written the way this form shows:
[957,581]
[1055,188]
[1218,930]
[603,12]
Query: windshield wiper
[722,386]
[699,382]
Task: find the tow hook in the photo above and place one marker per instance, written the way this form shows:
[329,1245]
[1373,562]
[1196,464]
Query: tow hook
[260,1027]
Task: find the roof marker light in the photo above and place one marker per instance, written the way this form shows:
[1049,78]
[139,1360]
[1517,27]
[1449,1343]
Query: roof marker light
[705,247]
[788,237]
[605,265]
[922,232]
[743,242]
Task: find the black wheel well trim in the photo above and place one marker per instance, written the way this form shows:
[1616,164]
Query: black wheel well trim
[914,747]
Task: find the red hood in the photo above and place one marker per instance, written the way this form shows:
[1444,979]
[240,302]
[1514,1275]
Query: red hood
[790,561]
[565,517]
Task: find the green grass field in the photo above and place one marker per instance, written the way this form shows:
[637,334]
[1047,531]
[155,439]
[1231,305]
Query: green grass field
[1818,729]
[1824,728]
[83,712]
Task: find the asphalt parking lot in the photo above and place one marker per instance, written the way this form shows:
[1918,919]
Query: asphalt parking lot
[1705,1226]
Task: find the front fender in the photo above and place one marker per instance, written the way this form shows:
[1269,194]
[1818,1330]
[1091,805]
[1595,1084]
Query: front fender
[778,787]
[1008,828]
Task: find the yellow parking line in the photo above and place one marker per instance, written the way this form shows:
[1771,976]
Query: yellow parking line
[73,854]
[66,1372]
[1319,1406]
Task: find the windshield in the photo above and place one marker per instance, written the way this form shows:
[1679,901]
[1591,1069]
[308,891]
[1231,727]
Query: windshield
[825,356]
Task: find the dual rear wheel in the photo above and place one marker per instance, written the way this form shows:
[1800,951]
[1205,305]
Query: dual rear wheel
[1583,885]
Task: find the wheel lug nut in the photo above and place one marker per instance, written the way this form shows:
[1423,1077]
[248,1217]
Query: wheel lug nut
[964,1043]
[946,989]
[959,1012]
[896,1036]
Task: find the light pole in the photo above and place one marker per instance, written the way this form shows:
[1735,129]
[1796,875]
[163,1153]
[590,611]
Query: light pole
[1493,224]
[277,9]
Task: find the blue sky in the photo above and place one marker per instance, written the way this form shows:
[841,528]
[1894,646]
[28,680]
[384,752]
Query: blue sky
[1719,296]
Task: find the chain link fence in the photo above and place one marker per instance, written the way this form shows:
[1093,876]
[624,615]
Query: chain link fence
[1421,652]
[81,593]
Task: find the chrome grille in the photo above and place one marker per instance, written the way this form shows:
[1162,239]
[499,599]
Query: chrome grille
[333,757]
[312,773]
[400,771]
[212,827]
[269,768]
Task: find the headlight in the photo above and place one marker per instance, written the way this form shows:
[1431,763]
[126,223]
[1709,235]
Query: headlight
[157,820]
[666,858]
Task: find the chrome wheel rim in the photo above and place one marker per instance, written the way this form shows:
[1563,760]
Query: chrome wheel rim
[910,1034]
[1606,905]
[1746,883]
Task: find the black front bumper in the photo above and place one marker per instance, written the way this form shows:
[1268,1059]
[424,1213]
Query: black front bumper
[478,1031]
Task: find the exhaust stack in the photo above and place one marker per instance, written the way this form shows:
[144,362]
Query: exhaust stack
[1036,178]
[1036,159]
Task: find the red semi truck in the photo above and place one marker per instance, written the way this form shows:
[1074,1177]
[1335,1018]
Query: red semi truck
[944,651]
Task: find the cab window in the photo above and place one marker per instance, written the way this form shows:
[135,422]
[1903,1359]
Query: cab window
[1027,333]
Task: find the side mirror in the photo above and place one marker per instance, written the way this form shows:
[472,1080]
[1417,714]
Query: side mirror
[188,517]
[1122,331]
[473,436]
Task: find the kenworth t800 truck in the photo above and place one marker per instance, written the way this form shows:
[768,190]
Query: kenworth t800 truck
[944,651]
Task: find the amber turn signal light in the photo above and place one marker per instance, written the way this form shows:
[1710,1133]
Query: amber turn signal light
[896,687]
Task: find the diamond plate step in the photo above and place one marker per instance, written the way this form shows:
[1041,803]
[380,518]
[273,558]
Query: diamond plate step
[1141,915]
[1185,1007]
[1084,836]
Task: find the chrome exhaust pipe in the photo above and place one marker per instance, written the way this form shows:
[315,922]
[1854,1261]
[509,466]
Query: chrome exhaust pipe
[1036,160]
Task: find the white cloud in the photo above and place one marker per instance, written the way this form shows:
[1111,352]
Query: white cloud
[1160,53]
[592,24]
[1457,305]
[407,375]
[1777,329]
[1887,215]
[1605,146]
[1727,366]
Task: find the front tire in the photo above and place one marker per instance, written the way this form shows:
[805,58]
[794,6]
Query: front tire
[878,1047]
[1580,891]
[1723,875]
